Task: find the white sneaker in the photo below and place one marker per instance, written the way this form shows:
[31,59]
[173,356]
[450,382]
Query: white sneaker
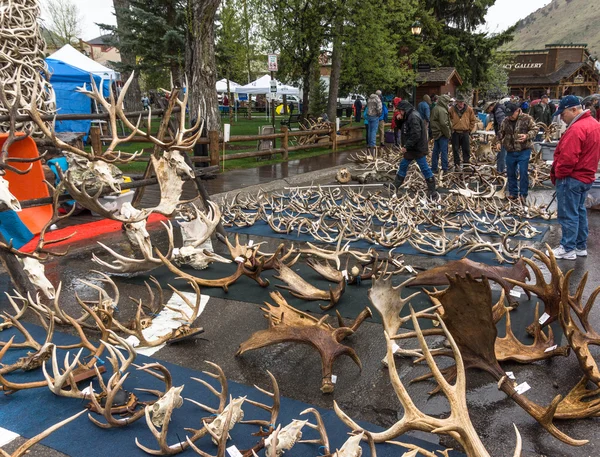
[560,253]
[581,252]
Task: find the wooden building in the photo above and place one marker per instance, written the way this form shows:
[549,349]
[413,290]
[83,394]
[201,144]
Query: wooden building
[438,81]
[557,70]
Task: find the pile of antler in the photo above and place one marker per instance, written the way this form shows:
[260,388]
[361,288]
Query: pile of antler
[469,320]
[463,220]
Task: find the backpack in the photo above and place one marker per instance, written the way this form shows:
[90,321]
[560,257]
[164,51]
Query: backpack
[374,106]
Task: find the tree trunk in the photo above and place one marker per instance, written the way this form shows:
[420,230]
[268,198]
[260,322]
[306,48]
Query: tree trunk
[200,61]
[133,98]
[336,67]
[305,90]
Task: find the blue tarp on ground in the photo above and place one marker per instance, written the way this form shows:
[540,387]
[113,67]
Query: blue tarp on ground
[65,80]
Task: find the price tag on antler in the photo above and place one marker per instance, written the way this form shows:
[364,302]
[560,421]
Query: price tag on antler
[522,388]
[233,451]
[333,378]
[250,243]
[543,318]
[551,348]
[438,244]
[514,293]
[345,274]
[410,269]
[395,348]
[510,375]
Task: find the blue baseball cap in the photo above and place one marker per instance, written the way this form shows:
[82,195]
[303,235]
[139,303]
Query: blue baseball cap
[570,101]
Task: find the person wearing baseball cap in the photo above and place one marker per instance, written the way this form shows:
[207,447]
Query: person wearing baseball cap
[573,172]
[516,136]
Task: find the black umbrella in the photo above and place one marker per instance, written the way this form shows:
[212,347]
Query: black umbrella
[589,98]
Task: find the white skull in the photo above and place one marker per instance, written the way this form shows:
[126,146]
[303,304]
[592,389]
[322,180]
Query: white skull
[136,231]
[176,161]
[35,272]
[198,259]
[159,409]
[351,447]
[286,438]
[237,415]
[104,174]
[7,200]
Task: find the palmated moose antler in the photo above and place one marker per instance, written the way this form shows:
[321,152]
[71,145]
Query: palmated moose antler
[287,324]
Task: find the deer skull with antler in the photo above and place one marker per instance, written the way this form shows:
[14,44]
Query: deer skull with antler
[34,270]
[7,200]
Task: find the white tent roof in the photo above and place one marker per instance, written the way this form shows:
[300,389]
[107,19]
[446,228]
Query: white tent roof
[68,54]
[222,85]
[263,86]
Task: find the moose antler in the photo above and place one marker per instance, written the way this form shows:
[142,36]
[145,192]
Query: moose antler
[548,292]
[579,340]
[288,324]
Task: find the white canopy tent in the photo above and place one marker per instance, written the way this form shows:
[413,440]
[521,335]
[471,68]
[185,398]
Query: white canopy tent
[222,85]
[68,54]
[263,86]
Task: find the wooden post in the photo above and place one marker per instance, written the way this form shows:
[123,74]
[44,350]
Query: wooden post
[95,138]
[333,138]
[284,141]
[213,147]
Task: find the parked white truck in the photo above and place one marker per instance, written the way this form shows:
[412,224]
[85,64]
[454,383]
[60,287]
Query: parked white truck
[348,102]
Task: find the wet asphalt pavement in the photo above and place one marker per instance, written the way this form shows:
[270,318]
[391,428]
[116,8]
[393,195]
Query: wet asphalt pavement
[365,395]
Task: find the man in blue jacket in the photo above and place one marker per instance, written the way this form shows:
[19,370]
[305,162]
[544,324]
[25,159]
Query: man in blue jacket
[424,109]
[498,113]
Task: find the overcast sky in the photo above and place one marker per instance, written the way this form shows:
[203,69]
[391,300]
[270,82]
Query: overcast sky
[502,15]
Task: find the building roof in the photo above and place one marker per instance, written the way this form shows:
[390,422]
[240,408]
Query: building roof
[101,40]
[438,75]
[555,78]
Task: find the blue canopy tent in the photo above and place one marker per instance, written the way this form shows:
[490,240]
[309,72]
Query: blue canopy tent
[65,80]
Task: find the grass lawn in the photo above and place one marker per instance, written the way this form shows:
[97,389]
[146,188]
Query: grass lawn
[240,127]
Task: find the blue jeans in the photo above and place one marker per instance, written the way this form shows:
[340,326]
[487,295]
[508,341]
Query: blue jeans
[422,163]
[518,161]
[372,127]
[572,215]
[440,146]
[501,160]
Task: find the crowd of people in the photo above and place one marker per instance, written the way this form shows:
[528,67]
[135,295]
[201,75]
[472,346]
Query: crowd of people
[517,124]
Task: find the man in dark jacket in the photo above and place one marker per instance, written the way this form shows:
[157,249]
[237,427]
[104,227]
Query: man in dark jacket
[441,132]
[496,110]
[516,135]
[414,145]
[542,112]
[573,173]
[357,109]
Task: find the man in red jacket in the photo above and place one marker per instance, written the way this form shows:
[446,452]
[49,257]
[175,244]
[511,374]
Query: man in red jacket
[573,172]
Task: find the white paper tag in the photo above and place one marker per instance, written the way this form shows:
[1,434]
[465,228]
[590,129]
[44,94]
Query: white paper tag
[551,348]
[439,206]
[510,375]
[395,348]
[514,293]
[239,259]
[250,243]
[522,388]
[345,274]
[410,269]
[438,244]
[233,451]
[333,378]
[549,162]
[543,318]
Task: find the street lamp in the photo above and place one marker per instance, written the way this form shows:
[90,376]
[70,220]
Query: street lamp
[415,29]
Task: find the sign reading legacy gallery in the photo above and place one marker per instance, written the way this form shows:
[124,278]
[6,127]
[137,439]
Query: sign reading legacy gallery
[272,62]
[522,66]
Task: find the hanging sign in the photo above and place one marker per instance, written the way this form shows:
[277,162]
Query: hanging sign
[272,62]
